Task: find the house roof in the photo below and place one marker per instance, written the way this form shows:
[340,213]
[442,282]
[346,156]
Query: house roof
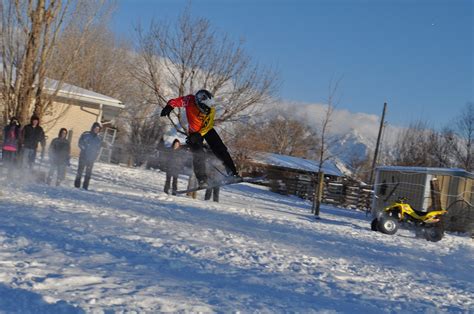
[429,170]
[82,94]
[74,92]
[290,162]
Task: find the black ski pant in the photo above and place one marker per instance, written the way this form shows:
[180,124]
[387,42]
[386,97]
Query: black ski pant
[214,192]
[87,165]
[171,177]
[196,141]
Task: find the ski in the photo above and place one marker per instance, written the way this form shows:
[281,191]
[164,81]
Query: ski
[228,181]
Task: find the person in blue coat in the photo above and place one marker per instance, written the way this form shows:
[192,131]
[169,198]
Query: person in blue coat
[89,143]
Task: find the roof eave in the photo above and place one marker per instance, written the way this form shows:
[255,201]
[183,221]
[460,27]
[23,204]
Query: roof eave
[305,170]
[87,98]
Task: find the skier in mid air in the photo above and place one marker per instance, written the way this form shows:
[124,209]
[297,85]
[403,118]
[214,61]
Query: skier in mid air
[200,112]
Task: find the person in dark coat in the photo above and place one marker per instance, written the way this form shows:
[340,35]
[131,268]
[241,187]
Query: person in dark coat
[89,143]
[31,135]
[173,167]
[59,155]
[10,147]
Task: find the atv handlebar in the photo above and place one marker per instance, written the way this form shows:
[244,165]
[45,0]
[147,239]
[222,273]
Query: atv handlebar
[402,199]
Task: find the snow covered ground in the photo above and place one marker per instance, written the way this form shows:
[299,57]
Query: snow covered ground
[127,246]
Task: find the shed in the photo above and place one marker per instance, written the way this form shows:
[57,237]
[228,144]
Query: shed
[429,189]
[288,174]
[296,164]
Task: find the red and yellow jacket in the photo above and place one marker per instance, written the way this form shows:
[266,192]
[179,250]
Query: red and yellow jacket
[197,121]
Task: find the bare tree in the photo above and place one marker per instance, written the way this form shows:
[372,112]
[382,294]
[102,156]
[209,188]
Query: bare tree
[102,64]
[144,137]
[361,166]
[325,142]
[290,137]
[411,145]
[440,148]
[280,135]
[464,151]
[419,145]
[180,57]
[28,34]
[140,131]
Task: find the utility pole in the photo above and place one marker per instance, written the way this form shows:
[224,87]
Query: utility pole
[377,146]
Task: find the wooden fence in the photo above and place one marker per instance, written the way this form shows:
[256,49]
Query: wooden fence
[460,217]
[338,191]
[347,194]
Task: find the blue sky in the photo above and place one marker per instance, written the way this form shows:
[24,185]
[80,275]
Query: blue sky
[416,55]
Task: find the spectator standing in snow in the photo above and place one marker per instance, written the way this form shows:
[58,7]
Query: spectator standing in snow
[31,135]
[174,166]
[215,175]
[59,155]
[89,143]
[214,192]
[192,183]
[11,136]
[200,112]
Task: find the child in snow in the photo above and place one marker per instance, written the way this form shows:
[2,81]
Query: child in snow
[59,155]
[173,165]
[11,136]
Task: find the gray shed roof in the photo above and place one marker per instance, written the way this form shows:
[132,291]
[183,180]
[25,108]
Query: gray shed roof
[290,162]
[429,170]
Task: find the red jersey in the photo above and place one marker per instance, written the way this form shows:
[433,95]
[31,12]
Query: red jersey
[197,121]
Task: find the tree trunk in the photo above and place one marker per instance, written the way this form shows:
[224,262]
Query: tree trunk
[318,194]
[27,72]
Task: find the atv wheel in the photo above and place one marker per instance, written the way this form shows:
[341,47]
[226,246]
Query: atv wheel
[420,232]
[387,225]
[373,225]
[434,234]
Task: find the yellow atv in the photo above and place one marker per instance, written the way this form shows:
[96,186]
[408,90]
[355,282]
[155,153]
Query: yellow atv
[428,225]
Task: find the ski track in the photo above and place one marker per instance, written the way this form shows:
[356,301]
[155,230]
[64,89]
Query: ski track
[127,246]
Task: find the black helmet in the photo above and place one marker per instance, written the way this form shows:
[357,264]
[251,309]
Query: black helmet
[204,100]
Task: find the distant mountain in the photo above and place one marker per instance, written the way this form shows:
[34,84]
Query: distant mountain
[352,145]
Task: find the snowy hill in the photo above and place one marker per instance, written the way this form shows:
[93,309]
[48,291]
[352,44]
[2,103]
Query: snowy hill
[352,145]
[127,246]
[355,133]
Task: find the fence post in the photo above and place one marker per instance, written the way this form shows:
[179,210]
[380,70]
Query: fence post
[435,194]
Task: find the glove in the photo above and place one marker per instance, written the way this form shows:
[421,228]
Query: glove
[166,111]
